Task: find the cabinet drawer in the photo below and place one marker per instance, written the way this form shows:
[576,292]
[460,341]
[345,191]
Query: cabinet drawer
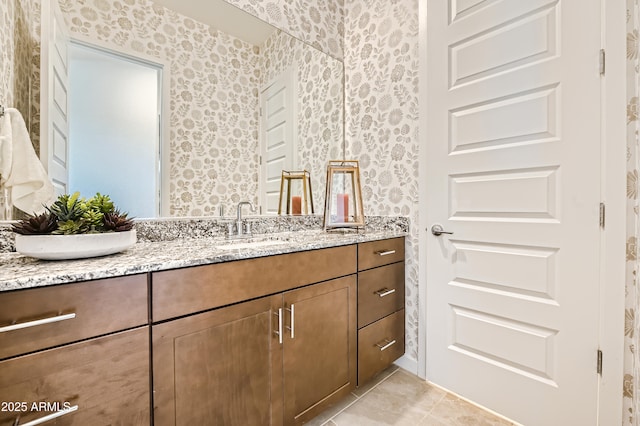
[100,307]
[378,253]
[379,344]
[184,291]
[380,292]
[106,378]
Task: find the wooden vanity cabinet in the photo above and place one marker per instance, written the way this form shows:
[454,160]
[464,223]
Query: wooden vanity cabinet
[319,347]
[219,367]
[280,358]
[83,346]
[381,299]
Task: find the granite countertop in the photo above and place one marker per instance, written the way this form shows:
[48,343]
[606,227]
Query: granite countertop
[20,272]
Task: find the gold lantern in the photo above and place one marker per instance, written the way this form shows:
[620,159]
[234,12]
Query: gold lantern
[296,204]
[343,198]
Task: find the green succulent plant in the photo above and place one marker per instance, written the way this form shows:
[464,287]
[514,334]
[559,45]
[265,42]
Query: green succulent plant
[72,214]
[68,207]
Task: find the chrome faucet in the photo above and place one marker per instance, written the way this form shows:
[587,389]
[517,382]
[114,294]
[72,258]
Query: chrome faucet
[239,230]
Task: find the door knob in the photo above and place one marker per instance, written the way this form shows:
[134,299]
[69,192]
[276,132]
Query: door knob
[438,230]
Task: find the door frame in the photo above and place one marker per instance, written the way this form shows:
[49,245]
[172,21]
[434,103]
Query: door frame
[613,179]
[163,156]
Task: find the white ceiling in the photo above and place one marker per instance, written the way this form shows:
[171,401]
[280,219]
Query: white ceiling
[224,17]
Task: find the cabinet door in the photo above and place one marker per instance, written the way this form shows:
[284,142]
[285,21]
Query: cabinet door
[319,347]
[102,381]
[221,367]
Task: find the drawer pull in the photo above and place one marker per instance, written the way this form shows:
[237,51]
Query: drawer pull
[48,417]
[293,317]
[385,292]
[28,324]
[279,332]
[385,252]
[386,344]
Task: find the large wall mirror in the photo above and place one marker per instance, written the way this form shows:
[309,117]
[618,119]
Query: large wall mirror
[242,105]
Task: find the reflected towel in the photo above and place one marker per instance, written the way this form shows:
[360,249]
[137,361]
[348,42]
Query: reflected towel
[20,168]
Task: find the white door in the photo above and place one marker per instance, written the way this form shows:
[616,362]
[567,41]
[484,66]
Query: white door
[54,118]
[513,170]
[277,143]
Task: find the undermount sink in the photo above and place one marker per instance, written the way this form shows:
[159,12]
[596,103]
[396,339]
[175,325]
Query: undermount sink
[250,244]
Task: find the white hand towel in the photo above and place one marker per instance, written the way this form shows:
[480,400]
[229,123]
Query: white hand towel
[20,168]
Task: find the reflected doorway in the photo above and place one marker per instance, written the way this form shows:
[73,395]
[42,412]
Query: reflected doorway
[114,128]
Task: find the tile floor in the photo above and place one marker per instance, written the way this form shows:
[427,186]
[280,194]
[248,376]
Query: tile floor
[399,398]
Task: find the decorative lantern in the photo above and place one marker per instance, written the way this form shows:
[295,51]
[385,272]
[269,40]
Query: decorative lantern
[343,199]
[295,204]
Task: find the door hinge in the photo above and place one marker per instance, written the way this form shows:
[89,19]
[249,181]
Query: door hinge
[260,160]
[599,363]
[602,61]
[602,215]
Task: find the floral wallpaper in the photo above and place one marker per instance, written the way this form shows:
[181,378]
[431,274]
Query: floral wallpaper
[213,97]
[319,105]
[319,23]
[381,68]
[15,54]
[631,382]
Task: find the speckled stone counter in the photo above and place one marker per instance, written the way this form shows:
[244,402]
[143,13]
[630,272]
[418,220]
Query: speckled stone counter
[21,272]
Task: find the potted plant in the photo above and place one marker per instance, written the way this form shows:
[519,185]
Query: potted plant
[74,227]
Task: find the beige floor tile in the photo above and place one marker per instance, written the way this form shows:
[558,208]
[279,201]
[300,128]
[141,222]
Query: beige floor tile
[452,411]
[332,411]
[375,381]
[401,399]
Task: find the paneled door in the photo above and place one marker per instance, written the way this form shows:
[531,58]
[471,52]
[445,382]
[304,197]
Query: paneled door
[277,137]
[513,173]
[54,114]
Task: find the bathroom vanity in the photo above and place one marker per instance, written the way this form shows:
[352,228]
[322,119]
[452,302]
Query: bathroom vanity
[264,334]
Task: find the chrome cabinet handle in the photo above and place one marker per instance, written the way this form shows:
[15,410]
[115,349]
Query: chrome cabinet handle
[385,252]
[35,323]
[293,317]
[48,417]
[438,230]
[279,332]
[386,344]
[385,292]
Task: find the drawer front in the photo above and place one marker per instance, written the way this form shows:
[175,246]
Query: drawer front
[379,344]
[106,378]
[378,253]
[184,291]
[70,312]
[380,292]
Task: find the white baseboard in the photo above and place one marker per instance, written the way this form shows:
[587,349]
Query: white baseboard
[409,364]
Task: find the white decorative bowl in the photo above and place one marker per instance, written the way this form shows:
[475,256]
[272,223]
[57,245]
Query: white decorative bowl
[79,246]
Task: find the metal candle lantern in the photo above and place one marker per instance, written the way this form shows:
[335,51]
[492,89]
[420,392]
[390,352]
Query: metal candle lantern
[296,204]
[343,199]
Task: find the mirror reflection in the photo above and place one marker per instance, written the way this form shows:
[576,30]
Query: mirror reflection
[239,109]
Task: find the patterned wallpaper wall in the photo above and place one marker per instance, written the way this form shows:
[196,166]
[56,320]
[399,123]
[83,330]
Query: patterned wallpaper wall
[319,22]
[381,67]
[213,106]
[319,103]
[15,54]
[631,381]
